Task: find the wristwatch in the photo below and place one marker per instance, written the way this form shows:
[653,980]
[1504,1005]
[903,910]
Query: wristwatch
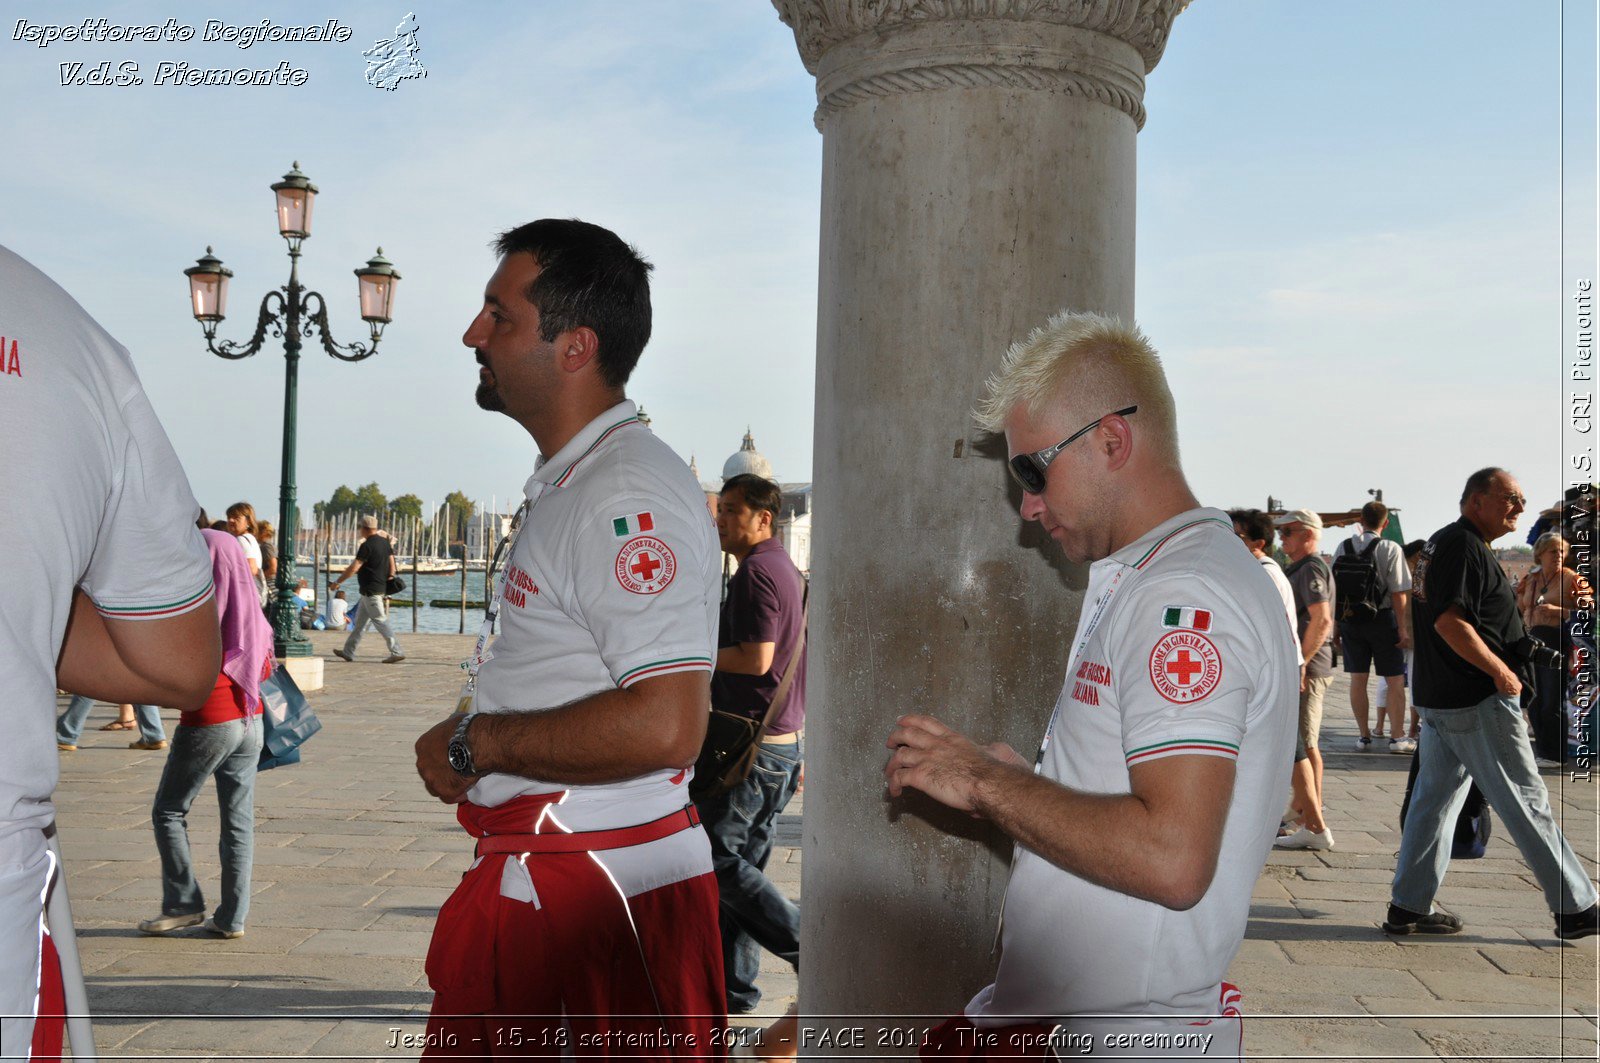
[460,753]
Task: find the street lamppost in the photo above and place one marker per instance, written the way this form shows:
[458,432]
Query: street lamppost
[289,313]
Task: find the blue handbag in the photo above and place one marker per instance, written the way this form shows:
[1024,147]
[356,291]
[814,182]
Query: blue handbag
[287,720]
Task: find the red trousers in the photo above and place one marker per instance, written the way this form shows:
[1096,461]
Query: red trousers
[581,970]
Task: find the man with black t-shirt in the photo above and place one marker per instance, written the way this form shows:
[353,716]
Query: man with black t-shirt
[1472,665]
[373,565]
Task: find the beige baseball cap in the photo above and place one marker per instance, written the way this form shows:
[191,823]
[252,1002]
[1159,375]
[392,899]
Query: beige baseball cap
[371,523]
[1298,516]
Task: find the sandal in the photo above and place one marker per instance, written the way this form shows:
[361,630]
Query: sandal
[119,725]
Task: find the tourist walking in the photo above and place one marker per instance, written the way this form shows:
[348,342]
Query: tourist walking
[373,566]
[1472,659]
[144,718]
[222,740]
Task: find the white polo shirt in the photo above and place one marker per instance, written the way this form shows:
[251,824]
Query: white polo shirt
[614,578]
[91,495]
[1190,656]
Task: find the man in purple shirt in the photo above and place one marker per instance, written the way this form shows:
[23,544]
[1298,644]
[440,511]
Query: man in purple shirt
[762,622]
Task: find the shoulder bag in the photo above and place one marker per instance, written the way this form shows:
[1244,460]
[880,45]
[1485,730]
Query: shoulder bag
[732,741]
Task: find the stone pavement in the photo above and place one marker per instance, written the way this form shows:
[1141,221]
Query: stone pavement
[353,859]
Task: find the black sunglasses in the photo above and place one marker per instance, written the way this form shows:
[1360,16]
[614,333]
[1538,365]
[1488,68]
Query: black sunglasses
[1029,469]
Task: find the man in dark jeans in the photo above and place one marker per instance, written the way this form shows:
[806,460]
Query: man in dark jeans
[762,623]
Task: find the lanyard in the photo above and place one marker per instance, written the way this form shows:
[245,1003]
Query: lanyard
[504,549]
[1085,633]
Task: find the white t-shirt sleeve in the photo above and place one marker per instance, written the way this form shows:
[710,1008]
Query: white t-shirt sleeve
[1391,560]
[252,549]
[1185,660]
[637,586]
[150,561]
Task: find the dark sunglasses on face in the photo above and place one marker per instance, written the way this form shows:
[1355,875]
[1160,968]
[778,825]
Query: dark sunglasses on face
[1029,469]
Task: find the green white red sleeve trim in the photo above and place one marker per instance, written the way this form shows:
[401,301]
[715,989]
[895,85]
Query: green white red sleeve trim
[157,611]
[1205,747]
[655,668]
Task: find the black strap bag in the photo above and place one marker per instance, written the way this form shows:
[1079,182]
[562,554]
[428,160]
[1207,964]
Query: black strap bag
[732,741]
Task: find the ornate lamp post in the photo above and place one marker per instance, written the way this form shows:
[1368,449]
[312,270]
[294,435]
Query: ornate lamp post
[291,312]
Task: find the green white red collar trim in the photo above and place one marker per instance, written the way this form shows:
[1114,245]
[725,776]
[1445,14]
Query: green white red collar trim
[558,471]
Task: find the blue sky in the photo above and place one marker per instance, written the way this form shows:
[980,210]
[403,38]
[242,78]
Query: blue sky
[1350,230]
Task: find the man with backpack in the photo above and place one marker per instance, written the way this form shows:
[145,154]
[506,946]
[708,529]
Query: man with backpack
[1373,589]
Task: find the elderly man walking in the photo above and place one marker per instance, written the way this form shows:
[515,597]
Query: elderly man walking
[1473,661]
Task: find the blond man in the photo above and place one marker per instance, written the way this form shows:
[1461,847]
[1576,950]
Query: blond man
[1148,813]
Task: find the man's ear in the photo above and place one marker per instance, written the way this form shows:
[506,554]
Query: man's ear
[576,348]
[1114,438]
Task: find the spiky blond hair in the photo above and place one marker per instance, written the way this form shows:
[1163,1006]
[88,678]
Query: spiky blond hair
[1088,364]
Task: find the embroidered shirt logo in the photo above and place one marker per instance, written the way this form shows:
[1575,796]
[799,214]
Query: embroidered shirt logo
[645,565]
[518,586]
[1186,616]
[10,364]
[1185,666]
[633,524]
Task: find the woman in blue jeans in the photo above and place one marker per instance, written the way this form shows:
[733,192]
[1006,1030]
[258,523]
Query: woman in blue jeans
[223,739]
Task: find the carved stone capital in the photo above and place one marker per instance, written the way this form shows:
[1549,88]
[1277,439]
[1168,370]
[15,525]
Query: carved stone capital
[1096,49]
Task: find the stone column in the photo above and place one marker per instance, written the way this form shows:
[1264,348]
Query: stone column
[978,174]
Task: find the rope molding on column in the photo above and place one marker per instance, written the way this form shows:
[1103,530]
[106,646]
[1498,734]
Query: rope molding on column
[979,75]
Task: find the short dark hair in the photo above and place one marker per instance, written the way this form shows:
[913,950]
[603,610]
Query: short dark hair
[758,492]
[1256,525]
[1479,482]
[587,277]
[1373,515]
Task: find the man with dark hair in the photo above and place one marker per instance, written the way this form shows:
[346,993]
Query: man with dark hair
[587,276]
[1379,641]
[758,645]
[588,922]
[1472,665]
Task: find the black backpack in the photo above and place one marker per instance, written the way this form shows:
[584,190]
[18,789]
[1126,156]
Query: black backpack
[1356,585]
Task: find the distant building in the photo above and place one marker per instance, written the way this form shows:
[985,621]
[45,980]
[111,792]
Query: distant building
[793,529]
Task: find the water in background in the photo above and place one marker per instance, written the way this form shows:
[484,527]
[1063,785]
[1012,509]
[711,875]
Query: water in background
[429,619]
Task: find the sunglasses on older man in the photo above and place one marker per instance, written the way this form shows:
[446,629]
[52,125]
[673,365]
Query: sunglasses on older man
[1029,469]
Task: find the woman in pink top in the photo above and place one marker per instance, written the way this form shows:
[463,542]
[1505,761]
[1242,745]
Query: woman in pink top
[223,739]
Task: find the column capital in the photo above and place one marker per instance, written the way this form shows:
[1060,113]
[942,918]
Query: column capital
[1100,49]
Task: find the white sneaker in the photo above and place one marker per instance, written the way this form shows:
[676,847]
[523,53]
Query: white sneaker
[1402,745]
[1306,838]
[166,924]
[1363,745]
[210,926]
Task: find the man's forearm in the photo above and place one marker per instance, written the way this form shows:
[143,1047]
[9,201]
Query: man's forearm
[746,658]
[606,737]
[1461,637]
[1317,629]
[349,570]
[1401,600]
[1112,840]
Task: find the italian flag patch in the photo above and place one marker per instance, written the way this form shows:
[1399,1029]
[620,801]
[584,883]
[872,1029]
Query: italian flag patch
[633,525]
[1186,616]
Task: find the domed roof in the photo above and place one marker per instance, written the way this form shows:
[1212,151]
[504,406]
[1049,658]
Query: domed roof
[747,460]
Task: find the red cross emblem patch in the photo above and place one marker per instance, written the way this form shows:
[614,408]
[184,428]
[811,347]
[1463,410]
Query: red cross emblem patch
[1185,666]
[645,565]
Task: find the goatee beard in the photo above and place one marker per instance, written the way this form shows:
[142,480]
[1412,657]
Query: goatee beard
[488,397]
